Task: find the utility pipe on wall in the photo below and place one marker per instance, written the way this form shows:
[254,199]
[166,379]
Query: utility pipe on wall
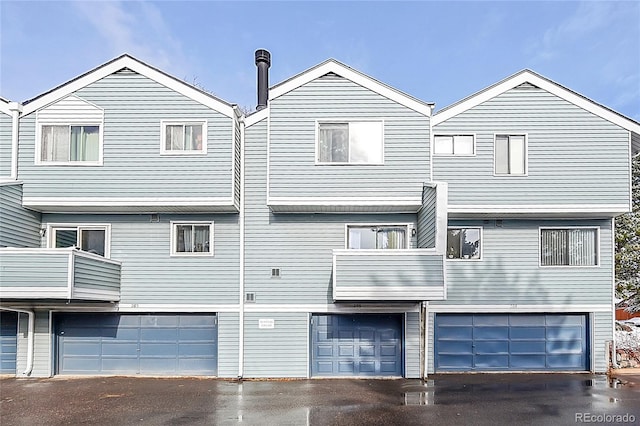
[15,109]
[30,336]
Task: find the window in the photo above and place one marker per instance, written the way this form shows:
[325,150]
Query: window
[569,247]
[463,243]
[454,145]
[377,237]
[70,143]
[90,238]
[192,239]
[350,143]
[184,138]
[510,155]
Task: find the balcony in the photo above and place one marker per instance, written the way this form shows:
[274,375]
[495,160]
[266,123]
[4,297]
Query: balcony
[64,273]
[388,275]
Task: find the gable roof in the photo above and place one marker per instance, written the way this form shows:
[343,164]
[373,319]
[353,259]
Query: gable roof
[129,62]
[4,106]
[336,67]
[528,76]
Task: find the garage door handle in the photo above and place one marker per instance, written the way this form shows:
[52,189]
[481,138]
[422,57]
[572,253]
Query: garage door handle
[61,333]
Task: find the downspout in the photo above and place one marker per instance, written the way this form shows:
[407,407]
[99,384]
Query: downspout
[15,109]
[241,275]
[614,357]
[432,107]
[30,336]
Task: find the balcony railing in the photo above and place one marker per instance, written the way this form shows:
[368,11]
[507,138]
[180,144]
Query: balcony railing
[388,275]
[62,273]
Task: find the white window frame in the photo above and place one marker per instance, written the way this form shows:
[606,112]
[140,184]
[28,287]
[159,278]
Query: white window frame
[526,154]
[598,257]
[347,121]
[194,122]
[408,235]
[173,239]
[52,228]
[461,259]
[473,135]
[38,148]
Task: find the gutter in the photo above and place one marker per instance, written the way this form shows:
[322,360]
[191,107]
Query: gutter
[30,336]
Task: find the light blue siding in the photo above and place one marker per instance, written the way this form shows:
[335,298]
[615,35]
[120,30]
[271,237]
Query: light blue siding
[93,274]
[150,275]
[602,324]
[5,145]
[412,348]
[52,271]
[277,352]
[19,227]
[292,143]
[574,157]
[133,167]
[509,272]
[228,344]
[427,218]
[42,361]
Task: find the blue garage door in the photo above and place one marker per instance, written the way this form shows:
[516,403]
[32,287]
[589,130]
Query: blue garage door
[137,344]
[8,342]
[356,345]
[516,342]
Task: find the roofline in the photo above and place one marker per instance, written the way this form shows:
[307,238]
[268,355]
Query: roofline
[337,67]
[117,64]
[528,76]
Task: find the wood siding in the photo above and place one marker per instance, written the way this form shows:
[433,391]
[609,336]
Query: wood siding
[574,157]
[292,143]
[150,275]
[133,167]
[19,227]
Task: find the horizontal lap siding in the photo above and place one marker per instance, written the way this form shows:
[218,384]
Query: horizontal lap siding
[574,157]
[509,272]
[412,345]
[41,345]
[301,245]
[228,344]
[150,275]
[427,219]
[602,334]
[293,172]
[133,108]
[94,274]
[409,270]
[5,145]
[19,227]
[277,352]
[18,271]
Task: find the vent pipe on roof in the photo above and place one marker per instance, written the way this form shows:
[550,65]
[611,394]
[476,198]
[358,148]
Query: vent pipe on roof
[263,62]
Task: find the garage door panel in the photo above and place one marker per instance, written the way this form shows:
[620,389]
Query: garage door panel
[135,344]
[528,342]
[358,344]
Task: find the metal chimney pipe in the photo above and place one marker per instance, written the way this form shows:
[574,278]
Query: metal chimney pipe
[263,62]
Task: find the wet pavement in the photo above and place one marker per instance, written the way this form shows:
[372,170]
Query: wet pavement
[480,399]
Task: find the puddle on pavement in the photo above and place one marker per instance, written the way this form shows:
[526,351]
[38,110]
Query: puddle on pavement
[418,398]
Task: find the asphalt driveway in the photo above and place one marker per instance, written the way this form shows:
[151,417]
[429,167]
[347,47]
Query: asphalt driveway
[487,399]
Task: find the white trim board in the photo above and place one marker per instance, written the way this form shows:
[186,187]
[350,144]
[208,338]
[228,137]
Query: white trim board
[333,66]
[117,64]
[516,308]
[528,76]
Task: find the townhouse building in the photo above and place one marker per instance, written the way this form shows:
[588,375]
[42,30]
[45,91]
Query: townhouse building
[343,229]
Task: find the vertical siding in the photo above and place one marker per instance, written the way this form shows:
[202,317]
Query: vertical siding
[5,145]
[602,333]
[509,272]
[133,167]
[228,344]
[412,345]
[574,157]
[42,345]
[293,116]
[278,352]
[150,275]
[19,227]
[427,219]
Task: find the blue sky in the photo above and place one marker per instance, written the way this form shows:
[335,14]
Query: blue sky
[435,51]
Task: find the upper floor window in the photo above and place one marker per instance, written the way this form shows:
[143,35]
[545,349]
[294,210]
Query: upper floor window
[569,247]
[454,145]
[90,238]
[70,143]
[510,153]
[184,137]
[192,238]
[355,142]
[377,237]
[463,243]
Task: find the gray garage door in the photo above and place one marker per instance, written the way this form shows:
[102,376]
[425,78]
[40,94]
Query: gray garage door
[8,342]
[137,344]
[511,342]
[356,345]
